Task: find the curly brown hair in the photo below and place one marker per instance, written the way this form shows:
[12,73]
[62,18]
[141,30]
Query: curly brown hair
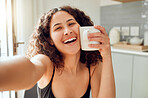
[40,39]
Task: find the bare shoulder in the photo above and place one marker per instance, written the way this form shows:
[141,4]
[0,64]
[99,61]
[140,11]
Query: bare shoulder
[40,59]
[45,62]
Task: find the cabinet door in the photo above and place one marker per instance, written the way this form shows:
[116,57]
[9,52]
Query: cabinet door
[122,64]
[140,77]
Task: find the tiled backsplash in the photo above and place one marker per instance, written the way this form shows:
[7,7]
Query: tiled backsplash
[122,15]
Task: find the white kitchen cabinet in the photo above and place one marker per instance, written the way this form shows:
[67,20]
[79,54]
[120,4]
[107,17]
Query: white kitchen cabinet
[131,73]
[140,77]
[122,65]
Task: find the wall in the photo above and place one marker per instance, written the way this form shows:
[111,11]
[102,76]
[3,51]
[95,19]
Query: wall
[90,7]
[126,14]
[108,2]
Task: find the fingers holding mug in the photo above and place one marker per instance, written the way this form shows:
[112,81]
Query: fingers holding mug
[98,39]
[104,39]
[102,29]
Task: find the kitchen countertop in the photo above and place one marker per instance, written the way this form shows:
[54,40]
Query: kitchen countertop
[129,51]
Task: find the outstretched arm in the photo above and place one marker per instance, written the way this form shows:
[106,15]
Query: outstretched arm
[21,73]
[106,80]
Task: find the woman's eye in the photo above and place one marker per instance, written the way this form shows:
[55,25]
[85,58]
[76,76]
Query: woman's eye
[71,24]
[58,28]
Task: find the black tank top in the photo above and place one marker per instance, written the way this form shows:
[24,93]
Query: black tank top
[47,91]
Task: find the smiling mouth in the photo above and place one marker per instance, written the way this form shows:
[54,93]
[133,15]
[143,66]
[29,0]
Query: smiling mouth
[70,40]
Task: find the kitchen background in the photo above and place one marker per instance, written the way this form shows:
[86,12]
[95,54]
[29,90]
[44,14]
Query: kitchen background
[130,66]
[130,18]
[126,15]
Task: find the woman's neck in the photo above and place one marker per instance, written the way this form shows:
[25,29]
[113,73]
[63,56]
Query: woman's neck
[72,63]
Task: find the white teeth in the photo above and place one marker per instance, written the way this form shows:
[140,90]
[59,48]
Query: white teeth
[69,40]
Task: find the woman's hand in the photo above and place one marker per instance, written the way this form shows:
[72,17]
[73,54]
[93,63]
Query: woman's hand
[107,82]
[102,37]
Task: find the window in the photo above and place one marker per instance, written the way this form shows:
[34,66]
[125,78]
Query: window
[6,28]
[6,36]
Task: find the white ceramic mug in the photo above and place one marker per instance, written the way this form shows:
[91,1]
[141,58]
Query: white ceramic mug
[84,31]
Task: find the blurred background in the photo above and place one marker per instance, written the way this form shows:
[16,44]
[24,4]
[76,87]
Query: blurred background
[126,22]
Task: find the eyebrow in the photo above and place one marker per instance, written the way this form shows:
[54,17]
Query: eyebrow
[69,20]
[61,23]
[56,24]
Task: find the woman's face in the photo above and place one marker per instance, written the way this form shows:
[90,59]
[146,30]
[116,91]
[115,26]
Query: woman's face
[64,31]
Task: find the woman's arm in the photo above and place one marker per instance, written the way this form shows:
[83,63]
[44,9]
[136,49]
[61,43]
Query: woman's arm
[106,77]
[21,73]
[107,83]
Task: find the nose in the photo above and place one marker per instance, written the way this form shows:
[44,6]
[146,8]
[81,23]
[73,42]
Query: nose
[67,32]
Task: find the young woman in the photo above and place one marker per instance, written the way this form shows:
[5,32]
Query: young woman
[56,62]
